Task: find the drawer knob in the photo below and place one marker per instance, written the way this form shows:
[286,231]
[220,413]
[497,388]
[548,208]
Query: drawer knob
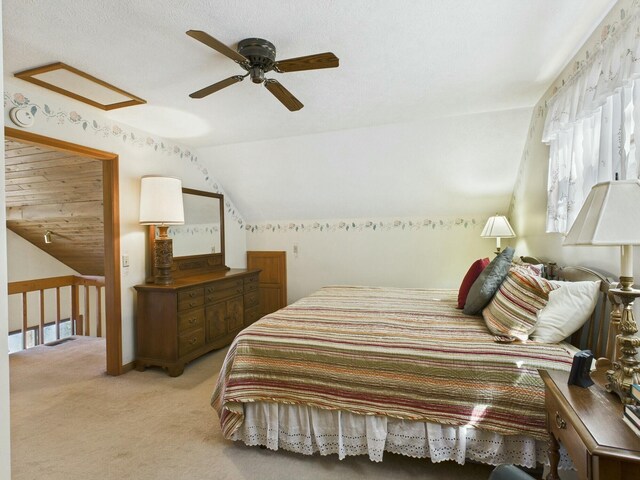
[192,321]
[560,422]
[192,294]
[192,304]
[193,341]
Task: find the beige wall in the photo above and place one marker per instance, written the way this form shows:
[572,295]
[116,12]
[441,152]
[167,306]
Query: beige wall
[418,252]
[529,201]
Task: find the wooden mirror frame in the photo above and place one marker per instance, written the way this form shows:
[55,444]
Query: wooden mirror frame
[194,264]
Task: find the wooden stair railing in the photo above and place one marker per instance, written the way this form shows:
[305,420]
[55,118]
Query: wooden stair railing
[81,324]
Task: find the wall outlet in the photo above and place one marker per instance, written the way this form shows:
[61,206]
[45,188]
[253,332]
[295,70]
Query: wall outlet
[296,250]
[125,260]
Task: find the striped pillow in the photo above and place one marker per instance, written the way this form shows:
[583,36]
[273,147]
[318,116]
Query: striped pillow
[529,268]
[514,308]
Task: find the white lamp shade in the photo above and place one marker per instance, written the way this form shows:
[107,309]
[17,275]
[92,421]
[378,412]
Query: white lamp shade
[610,215]
[497,227]
[161,201]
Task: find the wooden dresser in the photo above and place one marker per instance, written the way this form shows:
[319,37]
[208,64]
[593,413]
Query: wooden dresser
[196,314]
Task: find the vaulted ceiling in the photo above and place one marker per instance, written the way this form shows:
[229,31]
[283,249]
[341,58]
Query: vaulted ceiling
[51,190]
[414,63]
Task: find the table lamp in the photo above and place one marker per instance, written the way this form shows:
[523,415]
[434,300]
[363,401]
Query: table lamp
[611,216]
[497,227]
[161,205]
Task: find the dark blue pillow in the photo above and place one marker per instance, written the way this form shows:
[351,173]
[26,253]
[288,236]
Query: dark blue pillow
[487,284]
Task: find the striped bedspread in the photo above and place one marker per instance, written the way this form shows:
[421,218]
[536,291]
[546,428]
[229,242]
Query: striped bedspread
[403,353]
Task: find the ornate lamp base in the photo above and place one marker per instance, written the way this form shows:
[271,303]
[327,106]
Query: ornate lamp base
[626,370]
[163,255]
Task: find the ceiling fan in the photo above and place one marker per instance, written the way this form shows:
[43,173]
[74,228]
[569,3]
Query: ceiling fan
[258,56]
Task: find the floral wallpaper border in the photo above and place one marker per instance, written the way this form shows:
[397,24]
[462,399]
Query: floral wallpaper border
[593,44]
[186,230]
[364,225]
[126,134]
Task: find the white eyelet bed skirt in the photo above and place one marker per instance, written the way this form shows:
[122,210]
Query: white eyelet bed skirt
[308,430]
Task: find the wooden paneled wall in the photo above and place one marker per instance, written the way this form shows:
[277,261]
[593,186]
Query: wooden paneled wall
[61,192]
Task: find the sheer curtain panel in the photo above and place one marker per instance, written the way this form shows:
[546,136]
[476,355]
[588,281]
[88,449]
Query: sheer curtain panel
[591,124]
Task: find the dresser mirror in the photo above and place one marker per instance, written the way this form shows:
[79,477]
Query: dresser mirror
[198,245]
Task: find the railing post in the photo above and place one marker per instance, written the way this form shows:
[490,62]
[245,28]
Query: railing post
[25,318]
[99,313]
[75,310]
[58,313]
[87,311]
[41,326]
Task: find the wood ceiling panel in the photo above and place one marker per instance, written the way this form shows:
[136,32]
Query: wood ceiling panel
[48,189]
[19,166]
[12,144]
[60,171]
[57,210]
[25,150]
[46,192]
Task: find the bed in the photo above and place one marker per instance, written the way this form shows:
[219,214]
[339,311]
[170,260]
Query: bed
[367,370]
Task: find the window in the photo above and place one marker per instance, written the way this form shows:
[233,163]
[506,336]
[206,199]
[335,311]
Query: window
[15,338]
[591,124]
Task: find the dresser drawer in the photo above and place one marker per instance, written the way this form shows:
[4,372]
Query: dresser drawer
[562,429]
[190,298]
[251,299]
[219,295]
[251,315]
[191,341]
[190,319]
[251,280]
[223,285]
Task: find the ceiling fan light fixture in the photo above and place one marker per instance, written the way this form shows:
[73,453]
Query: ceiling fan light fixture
[257,75]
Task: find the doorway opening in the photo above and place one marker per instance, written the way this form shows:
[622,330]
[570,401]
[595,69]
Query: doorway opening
[111,232]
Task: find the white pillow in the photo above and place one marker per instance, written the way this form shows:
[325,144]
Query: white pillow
[569,307]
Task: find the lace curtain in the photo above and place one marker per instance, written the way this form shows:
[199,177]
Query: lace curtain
[591,125]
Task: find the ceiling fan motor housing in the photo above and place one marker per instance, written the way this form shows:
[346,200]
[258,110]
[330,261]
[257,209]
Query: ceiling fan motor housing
[261,54]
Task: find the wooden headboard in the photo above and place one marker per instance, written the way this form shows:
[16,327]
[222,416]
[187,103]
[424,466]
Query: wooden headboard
[598,334]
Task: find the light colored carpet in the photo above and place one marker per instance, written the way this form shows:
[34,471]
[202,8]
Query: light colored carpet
[71,421]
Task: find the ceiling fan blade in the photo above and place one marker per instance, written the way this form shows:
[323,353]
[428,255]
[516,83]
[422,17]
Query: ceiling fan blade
[217,45]
[282,94]
[310,62]
[217,86]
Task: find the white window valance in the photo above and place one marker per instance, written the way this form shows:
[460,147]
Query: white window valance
[591,124]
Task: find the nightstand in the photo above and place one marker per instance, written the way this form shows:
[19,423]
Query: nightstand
[588,422]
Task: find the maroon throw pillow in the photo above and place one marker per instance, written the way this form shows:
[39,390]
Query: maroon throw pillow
[472,274]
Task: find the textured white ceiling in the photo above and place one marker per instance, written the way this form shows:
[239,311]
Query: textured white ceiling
[426,115]
[399,60]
